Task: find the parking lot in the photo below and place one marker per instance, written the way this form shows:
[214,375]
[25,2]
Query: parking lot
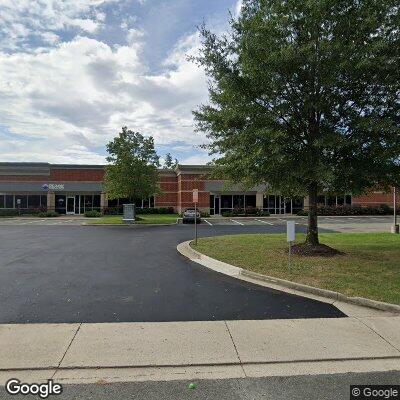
[129,274]
[334,223]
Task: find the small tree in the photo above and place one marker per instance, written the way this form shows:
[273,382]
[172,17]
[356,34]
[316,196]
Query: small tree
[168,163]
[132,172]
[304,96]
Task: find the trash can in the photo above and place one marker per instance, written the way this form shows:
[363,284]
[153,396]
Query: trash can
[129,214]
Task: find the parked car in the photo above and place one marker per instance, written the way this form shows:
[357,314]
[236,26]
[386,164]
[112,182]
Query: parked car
[190,215]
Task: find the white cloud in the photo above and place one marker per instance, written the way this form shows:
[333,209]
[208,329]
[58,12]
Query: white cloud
[23,20]
[199,159]
[238,7]
[80,93]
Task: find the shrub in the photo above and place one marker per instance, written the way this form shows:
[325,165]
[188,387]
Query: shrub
[263,213]
[344,210]
[8,213]
[227,214]
[92,214]
[302,213]
[48,214]
[13,212]
[205,214]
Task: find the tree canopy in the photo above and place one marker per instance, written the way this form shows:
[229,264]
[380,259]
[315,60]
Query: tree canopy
[169,162]
[304,95]
[133,169]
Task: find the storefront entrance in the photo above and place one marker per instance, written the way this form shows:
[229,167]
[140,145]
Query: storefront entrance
[70,205]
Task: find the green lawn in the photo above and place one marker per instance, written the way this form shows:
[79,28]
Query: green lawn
[144,219]
[370,267]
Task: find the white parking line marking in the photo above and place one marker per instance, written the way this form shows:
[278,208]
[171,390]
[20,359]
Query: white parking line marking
[209,223]
[264,222]
[236,222]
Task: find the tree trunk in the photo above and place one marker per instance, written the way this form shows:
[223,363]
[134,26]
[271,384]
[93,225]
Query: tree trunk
[312,233]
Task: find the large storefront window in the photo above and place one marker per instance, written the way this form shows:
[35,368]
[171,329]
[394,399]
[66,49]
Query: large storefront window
[60,204]
[139,203]
[226,203]
[21,201]
[332,201]
[231,202]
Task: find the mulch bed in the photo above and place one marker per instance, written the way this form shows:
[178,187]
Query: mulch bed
[320,250]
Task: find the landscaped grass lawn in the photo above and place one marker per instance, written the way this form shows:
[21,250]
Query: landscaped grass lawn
[370,267]
[144,219]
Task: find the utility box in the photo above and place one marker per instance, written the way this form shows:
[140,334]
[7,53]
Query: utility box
[129,214]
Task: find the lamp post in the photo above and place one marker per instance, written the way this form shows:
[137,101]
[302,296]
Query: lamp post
[395,227]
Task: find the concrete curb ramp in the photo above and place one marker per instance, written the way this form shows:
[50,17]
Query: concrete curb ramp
[186,250]
[73,353]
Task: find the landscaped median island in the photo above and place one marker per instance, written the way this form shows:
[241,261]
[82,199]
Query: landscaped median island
[369,266]
[157,219]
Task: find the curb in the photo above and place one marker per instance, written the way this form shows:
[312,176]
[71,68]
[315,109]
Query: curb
[186,250]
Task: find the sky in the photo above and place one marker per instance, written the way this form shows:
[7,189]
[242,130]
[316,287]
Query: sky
[73,72]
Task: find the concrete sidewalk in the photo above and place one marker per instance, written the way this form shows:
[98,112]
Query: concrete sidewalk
[76,353]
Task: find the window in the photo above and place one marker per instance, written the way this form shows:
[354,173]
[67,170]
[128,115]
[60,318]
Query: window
[348,199]
[250,200]
[226,203]
[21,201]
[297,204]
[60,203]
[33,201]
[2,201]
[340,200]
[43,201]
[9,201]
[96,202]
[211,204]
[238,201]
[151,201]
[88,202]
[271,204]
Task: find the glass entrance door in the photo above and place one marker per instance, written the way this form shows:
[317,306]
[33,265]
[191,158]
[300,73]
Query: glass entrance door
[71,205]
[217,205]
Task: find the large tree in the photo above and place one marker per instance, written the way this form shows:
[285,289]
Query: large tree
[133,169]
[304,95]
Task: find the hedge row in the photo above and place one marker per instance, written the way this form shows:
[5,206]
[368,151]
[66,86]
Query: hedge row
[40,212]
[12,212]
[247,212]
[382,209]
[119,210]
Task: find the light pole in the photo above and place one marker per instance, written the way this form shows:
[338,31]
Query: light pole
[395,227]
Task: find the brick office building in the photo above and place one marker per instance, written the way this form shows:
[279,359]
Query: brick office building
[75,189]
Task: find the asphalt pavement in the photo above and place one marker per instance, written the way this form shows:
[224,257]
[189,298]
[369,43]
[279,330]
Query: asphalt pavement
[130,274]
[310,387]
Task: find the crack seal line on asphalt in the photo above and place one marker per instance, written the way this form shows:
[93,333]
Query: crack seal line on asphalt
[66,351]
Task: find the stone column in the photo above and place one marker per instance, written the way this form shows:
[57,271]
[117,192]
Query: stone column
[103,200]
[51,201]
[260,200]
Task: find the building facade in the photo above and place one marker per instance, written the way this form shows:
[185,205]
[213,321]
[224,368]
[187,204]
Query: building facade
[75,189]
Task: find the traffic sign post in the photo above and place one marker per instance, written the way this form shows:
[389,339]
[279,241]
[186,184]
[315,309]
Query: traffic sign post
[291,237]
[195,201]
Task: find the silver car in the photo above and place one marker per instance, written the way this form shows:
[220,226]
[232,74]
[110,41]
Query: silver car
[190,215]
